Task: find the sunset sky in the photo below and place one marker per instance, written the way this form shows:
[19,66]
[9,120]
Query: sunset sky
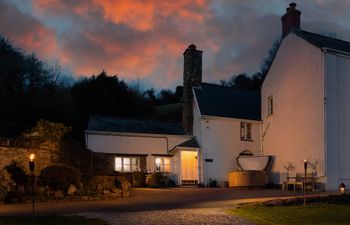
[144,39]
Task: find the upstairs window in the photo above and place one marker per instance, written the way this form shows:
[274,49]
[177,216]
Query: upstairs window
[269,106]
[127,164]
[162,164]
[246,131]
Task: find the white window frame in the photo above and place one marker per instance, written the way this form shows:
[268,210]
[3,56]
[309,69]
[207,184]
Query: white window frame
[270,105]
[246,132]
[160,164]
[121,163]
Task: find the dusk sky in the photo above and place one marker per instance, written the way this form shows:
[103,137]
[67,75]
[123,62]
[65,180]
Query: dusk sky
[145,40]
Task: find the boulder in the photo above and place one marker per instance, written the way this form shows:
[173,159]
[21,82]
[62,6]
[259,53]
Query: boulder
[99,188]
[123,183]
[71,189]
[106,192]
[58,194]
[115,190]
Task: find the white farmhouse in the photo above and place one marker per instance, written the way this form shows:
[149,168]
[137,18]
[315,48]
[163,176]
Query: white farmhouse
[302,112]
[305,104]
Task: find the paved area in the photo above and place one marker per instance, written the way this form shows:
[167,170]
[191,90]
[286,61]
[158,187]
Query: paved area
[157,206]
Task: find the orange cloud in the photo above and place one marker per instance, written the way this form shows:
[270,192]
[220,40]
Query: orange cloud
[138,14]
[27,33]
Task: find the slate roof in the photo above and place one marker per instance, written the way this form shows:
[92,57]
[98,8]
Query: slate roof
[321,41]
[192,143]
[126,125]
[215,100]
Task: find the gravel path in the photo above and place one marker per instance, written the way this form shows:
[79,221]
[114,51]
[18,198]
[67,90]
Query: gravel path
[197,216]
[157,206]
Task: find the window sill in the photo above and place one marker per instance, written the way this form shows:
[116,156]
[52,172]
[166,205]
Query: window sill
[250,140]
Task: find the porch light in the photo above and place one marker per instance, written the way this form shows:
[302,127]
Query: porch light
[342,188]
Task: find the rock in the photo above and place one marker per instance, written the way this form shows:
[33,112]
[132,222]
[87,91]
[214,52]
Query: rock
[125,194]
[116,190]
[123,183]
[58,194]
[71,189]
[84,198]
[99,188]
[106,192]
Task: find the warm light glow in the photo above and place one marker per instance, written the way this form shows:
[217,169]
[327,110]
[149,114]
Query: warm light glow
[305,160]
[342,188]
[31,157]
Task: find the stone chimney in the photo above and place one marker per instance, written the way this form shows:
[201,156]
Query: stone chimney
[192,77]
[290,20]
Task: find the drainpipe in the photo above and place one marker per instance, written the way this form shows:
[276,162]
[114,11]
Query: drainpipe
[262,136]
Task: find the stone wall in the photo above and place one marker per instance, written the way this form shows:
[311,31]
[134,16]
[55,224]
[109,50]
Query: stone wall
[14,152]
[67,152]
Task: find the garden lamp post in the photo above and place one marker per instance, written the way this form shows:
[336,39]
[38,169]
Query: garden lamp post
[31,169]
[304,180]
[342,188]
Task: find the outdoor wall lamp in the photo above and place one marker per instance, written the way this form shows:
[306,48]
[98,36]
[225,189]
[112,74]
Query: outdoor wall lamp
[342,188]
[31,168]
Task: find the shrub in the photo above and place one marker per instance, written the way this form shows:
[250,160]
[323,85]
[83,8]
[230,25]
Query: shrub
[17,172]
[138,179]
[59,176]
[159,179]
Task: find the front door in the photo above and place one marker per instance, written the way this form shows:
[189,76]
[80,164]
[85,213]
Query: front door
[189,168]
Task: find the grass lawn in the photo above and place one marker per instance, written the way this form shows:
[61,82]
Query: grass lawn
[320,214]
[52,220]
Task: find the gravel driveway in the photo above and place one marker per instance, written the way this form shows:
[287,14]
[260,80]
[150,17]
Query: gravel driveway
[196,216]
[156,206]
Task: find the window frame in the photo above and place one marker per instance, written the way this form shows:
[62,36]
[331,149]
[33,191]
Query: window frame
[133,166]
[161,166]
[246,131]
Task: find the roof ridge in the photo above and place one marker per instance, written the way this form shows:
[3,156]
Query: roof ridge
[134,119]
[320,35]
[230,87]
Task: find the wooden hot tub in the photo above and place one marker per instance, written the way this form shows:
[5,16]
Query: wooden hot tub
[250,178]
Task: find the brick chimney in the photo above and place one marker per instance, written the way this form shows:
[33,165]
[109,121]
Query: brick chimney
[290,20]
[192,77]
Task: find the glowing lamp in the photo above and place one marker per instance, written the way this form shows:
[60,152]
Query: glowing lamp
[342,188]
[305,164]
[31,162]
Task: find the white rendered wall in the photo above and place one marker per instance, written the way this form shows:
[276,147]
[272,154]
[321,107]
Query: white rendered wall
[296,130]
[222,143]
[134,145]
[338,120]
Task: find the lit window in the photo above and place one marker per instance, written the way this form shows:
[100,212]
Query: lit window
[246,131]
[270,106]
[162,164]
[126,164]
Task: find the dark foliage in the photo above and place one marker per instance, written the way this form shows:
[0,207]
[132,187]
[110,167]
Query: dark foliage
[244,81]
[59,176]
[253,82]
[18,174]
[138,179]
[30,89]
[267,62]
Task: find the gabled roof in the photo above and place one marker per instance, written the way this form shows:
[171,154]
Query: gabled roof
[215,100]
[125,125]
[192,143]
[321,41]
